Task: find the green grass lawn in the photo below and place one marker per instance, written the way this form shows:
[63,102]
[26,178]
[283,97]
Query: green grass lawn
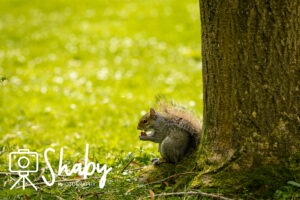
[83,72]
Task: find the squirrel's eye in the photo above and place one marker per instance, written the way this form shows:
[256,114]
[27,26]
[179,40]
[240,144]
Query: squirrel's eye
[144,121]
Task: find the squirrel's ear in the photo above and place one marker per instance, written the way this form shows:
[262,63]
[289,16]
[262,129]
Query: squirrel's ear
[152,112]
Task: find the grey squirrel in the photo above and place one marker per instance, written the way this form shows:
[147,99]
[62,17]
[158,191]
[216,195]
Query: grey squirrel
[176,131]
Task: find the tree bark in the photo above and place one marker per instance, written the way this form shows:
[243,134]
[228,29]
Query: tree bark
[251,77]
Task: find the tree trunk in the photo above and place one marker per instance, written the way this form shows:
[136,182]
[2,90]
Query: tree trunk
[251,76]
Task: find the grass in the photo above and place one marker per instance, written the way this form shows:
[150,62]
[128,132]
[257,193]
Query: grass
[82,72]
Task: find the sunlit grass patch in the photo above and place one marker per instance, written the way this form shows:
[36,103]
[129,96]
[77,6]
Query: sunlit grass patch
[75,72]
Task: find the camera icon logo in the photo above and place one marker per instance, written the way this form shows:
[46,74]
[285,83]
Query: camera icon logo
[23,162]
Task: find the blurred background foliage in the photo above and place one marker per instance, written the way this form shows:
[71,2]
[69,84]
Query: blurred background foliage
[77,72]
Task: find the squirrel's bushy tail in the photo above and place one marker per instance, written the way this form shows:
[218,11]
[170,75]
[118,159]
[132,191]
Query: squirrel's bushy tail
[183,119]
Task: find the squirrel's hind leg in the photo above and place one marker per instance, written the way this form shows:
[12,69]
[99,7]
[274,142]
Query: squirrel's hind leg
[169,152]
[157,161]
